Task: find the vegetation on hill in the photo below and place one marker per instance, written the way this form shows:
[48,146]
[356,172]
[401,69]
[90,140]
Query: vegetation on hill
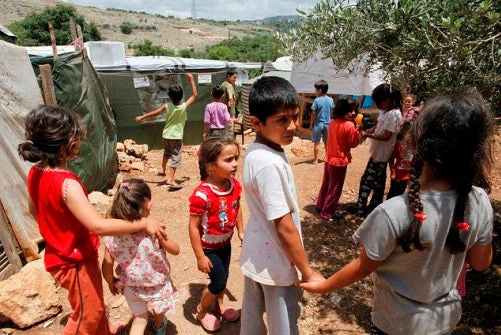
[426,46]
[33,30]
[248,49]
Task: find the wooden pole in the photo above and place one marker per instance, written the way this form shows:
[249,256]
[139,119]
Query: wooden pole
[49,94]
[53,41]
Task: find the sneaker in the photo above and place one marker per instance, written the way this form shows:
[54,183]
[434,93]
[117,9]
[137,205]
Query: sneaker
[161,330]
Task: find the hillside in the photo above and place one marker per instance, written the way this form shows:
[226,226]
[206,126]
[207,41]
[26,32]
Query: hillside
[169,32]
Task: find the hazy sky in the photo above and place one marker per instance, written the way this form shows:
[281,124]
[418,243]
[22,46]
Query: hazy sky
[208,9]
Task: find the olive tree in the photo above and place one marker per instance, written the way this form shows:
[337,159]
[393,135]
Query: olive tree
[426,46]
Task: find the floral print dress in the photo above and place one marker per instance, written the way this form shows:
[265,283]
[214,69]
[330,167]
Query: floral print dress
[143,267]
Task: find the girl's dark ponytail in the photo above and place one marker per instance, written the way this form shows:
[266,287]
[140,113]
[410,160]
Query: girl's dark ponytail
[29,152]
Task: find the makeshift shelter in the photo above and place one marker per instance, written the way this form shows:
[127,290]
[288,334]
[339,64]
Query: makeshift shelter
[137,85]
[356,79]
[19,93]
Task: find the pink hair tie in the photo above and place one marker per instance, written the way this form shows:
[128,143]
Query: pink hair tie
[420,216]
[125,185]
[462,225]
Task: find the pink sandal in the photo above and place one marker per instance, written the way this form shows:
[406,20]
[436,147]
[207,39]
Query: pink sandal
[209,322]
[230,315]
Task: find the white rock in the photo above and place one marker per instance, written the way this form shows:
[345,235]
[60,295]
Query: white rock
[29,296]
[101,202]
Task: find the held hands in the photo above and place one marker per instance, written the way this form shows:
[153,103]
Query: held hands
[314,282]
[204,264]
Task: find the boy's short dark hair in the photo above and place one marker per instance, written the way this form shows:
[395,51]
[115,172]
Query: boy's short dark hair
[322,85]
[217,92]
[268,94]
[231,71]
[175,93]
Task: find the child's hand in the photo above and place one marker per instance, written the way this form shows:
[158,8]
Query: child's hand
[204,264]
[314,276]
[241,237]
[155,229]
[139,118]
[189,76]
[113,286]
[313,287]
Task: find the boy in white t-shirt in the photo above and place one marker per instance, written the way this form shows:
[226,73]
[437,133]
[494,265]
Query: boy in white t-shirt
[273,258]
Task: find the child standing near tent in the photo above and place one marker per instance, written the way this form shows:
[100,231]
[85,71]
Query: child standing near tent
[144,275]
[342,137]
[400,162]
[216,117]
[229,97]
[172,134]
[320,116]
[66,219]
[416,243]
[214,213]
[409,111]
[388,99]
[273,258]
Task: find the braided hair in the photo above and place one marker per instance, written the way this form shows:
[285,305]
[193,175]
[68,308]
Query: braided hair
[452,138]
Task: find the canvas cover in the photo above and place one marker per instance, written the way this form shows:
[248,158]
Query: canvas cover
[79,88]
[135,93]
[341,81]
[19,93]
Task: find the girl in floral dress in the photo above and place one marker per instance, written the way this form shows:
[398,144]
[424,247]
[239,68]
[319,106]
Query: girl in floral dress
[144,275]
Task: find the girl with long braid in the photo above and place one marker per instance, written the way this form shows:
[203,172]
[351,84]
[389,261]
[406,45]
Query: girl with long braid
[416,243]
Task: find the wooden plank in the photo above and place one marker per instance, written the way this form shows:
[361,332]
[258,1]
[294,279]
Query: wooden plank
[53,41]
[49,94]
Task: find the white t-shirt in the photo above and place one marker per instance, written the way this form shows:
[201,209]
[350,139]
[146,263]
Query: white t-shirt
[270,193]
[390,120]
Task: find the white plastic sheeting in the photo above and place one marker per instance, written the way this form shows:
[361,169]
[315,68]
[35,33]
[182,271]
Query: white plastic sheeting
[110,56]
[341,81]
[19,93]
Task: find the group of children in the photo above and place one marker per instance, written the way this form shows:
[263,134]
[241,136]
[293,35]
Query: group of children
[388,147]
[415,243]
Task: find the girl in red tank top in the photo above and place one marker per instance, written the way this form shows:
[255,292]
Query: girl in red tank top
[67,221]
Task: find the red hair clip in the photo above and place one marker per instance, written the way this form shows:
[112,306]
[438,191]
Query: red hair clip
[462,225]
[421,216]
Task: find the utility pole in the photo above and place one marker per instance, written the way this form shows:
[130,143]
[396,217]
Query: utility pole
[193,10]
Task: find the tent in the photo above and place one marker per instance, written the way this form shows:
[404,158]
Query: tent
[359,81]
[139,84]
[356,80]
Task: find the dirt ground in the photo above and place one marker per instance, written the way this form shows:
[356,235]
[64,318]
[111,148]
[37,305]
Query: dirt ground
[329,247]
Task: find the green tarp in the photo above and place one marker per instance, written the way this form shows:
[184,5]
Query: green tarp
[128,102]
[79,88]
